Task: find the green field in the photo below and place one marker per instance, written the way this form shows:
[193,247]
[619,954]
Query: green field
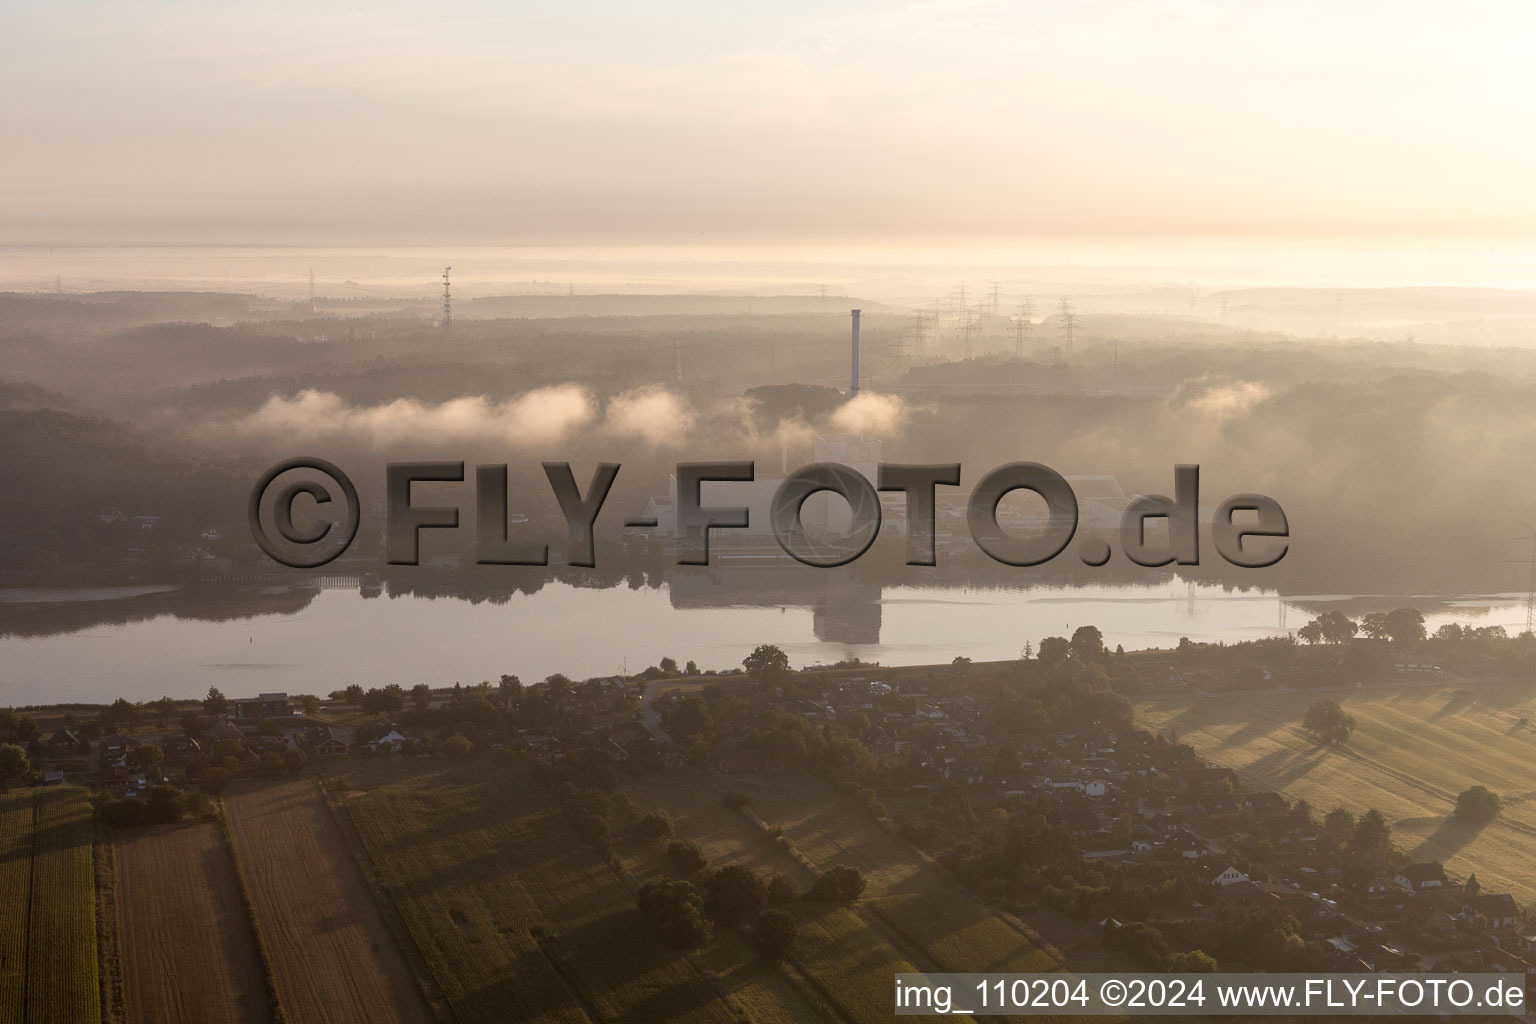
[1414,748]
[48,967]
[515,916]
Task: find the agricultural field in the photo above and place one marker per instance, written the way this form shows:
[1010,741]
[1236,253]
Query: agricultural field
[179,904]
[48,968]
[517,918]
[334,958]
[1413,750]
[912,916]
[841,961]
[910,893]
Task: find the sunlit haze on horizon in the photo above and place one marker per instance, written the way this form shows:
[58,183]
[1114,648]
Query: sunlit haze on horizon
[792,123]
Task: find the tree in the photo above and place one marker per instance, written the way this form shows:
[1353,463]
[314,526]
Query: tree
[387,700]
[1328,723]
[458,747]
[1372,836]
[511,692]
[214,780]
[841,884]
[1375,626]
[767,664]
[1087,644]
[1337,627]
[1311,633]
[676,910]
[1196,961]
[669,666]
[215,703]
[734,895]
[147,759]
[773,938]
[268,727]
[13,761]
[271,763]
[1404,625]
[1478,805]
[781,891]
[124,712]
[691,669]
[162,709]
[654,826]
[686,858]
[353,694]
[1472,888]
[294,761]
[1338,825]
[1054,650]
[421,696]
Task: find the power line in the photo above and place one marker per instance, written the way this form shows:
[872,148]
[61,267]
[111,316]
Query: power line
[447,302]
[1068,322]
[970,323]
[1530,589]
[1020,327]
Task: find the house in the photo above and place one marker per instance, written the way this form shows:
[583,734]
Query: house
[1498,909]
[226,730]
[180,749]
[1283,900]
[62,743]
[324,742]
[113,747]
[1421,877]
[1231,876]
[391,741]
[1266,805]
[264,705]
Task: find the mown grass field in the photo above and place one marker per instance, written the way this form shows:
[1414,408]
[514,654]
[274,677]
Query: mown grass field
[517,918]
[48,967]
[334,958]
[180,905]
[1414,749]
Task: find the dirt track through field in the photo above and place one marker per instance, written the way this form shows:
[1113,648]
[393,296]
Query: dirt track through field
[335,959]
[188,952]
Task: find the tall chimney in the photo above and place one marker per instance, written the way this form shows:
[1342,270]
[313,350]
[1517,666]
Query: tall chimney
[854,393]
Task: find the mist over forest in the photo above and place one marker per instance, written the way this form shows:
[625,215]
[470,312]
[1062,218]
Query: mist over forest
[1395,460]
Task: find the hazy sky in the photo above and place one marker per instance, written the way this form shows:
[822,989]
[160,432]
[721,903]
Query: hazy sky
[313,121]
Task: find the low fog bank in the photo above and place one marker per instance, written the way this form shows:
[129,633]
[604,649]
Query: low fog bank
[1400,465]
